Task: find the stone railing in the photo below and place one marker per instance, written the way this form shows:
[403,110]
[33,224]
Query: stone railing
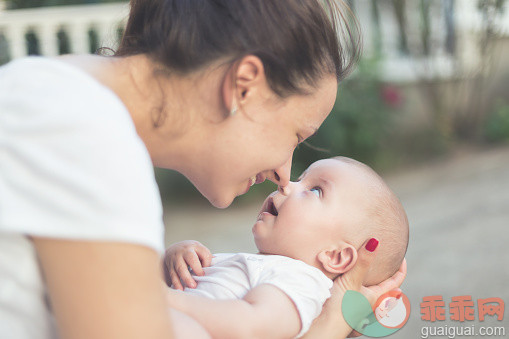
[58,30]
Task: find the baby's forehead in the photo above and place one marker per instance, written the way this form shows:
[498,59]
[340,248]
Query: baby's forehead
[344,174]
[333,167]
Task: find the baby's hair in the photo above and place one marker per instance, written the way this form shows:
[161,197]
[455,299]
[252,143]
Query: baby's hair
[385,220]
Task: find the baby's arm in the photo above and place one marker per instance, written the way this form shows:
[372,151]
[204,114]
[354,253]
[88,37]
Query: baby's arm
[265,312]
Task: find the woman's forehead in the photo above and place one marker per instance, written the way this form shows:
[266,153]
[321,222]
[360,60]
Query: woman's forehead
[317,105]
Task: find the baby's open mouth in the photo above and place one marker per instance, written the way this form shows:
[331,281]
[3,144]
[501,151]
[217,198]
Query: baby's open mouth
[271,208]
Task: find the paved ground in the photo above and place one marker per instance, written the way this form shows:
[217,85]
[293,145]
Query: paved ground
[459,242]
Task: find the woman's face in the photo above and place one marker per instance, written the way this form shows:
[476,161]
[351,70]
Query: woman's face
[257,142]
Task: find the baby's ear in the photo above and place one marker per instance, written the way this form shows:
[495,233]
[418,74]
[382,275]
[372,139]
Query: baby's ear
[338,260]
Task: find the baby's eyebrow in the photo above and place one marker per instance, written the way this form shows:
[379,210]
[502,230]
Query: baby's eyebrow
[326,182]
[302,175]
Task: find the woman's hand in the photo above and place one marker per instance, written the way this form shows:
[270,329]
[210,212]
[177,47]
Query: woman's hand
[181,256]
[352,280]
[372,293]
[330,323]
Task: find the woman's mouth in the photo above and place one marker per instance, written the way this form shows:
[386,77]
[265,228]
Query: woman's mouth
[259,178]
[255,179]
[250,183]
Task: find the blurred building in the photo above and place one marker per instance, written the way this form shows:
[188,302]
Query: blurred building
[405,34]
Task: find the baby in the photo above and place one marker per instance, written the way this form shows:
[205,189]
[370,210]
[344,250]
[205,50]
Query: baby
[307,233]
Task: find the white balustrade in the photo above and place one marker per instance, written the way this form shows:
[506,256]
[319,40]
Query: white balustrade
[48,39]
[76,21]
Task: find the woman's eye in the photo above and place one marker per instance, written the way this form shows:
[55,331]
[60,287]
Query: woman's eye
[317,191]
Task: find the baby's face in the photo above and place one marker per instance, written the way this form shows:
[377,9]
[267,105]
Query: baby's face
[313,213]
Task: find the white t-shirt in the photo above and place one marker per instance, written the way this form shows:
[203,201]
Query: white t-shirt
[231,276]
[71,166]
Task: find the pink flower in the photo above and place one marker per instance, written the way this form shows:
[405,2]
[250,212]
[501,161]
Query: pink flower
[391,96]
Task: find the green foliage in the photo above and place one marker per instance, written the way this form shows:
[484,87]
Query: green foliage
[496,128]
[358,125]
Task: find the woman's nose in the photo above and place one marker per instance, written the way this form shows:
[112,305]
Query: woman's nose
[282,174]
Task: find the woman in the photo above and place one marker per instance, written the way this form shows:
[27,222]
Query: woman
[221,91]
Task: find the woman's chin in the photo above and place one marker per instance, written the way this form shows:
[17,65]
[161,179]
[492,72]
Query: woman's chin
[221,201]
[217,197]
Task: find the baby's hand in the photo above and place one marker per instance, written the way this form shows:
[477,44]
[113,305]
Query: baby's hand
[181,256]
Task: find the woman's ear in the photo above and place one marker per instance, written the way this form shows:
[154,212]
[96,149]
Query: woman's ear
[245,78]
[249,76]
[338,260]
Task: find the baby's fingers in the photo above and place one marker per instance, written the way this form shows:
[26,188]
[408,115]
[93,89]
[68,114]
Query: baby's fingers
[184,274]
[204,255]
[175,280]
[193,261]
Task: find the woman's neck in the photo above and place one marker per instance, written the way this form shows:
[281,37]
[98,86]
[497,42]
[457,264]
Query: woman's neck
[163,107]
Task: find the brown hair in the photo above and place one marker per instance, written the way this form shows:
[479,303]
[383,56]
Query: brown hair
[298,41]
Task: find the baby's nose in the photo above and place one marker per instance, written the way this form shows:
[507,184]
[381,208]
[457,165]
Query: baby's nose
[283,190]
[286,189]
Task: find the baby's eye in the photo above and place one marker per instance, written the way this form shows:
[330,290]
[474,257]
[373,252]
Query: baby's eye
[316,190]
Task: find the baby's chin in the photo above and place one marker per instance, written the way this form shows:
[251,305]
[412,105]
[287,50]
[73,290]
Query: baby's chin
[275,251]
[263,248]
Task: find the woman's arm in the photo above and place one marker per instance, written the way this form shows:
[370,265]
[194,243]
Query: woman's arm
[330,323]
[106,290]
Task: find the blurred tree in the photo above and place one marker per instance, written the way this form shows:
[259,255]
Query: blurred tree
[425,27]
[377,31]
[468,123]
[496,128]
[450,40]
[400,11]
[461,115]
